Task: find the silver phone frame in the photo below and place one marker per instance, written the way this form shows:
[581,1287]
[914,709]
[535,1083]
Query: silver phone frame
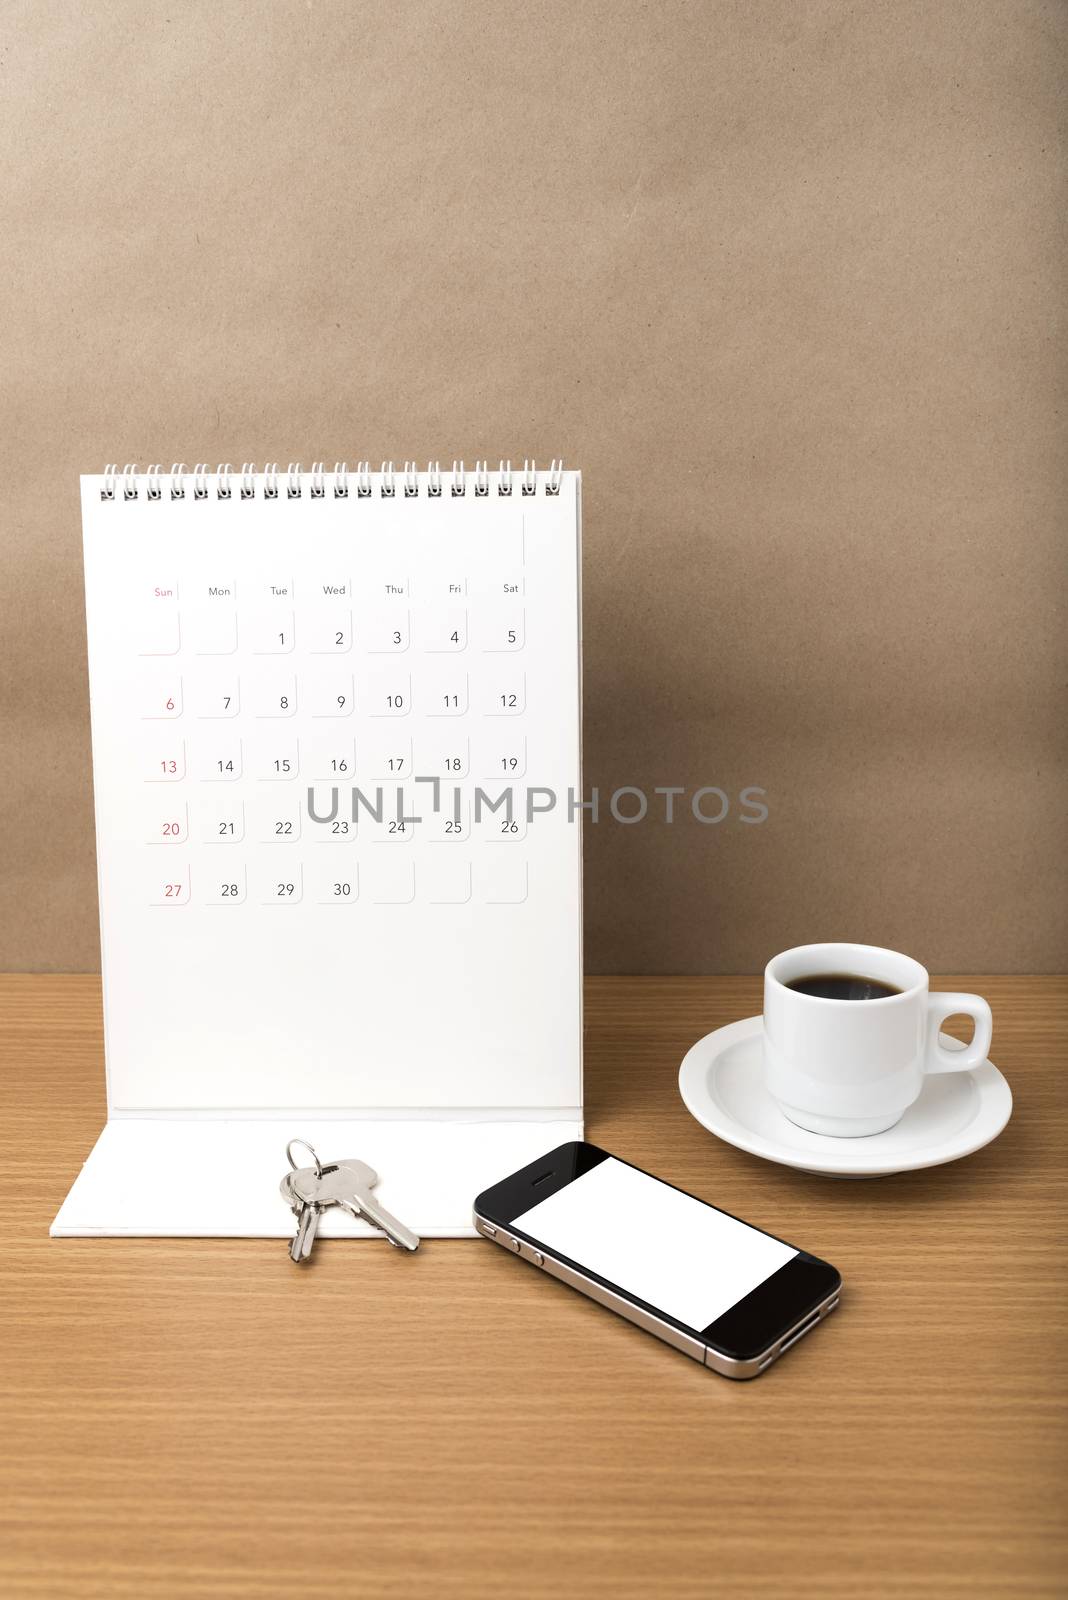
[623,1307]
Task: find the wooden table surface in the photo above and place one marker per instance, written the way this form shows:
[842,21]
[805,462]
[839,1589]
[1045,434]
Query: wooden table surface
[195,1418]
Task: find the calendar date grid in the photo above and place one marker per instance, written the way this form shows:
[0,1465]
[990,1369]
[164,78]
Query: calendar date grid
[255,707]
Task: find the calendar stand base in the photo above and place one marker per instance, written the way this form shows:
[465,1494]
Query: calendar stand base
[218,1177]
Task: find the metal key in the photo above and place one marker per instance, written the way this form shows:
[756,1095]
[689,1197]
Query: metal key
[348,1184]
[307,1215]
[307,1211]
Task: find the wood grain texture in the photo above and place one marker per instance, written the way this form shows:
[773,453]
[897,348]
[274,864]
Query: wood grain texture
[785,280]
[194,1418]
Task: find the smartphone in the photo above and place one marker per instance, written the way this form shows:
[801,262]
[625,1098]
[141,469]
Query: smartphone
[729,1295]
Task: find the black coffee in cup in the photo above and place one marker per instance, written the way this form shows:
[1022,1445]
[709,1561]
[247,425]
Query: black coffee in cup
[843,986]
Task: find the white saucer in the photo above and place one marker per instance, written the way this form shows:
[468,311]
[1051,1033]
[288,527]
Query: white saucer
[722,1084]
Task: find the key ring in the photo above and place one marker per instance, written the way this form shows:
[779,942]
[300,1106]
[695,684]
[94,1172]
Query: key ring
[311,1152]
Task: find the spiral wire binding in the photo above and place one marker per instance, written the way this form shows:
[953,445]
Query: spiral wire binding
[388,478]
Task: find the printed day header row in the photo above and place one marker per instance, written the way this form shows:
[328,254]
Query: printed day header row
[370,588]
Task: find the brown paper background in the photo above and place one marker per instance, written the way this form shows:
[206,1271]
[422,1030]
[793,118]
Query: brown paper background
[783,277]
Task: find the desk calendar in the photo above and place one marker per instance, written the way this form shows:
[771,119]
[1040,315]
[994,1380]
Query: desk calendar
[336,735]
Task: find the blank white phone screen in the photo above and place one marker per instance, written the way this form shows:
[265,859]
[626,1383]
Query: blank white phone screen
[658,1244]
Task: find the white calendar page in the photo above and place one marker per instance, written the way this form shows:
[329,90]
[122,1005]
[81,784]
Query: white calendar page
[316,719]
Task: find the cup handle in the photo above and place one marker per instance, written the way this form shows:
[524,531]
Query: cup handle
[939,1007]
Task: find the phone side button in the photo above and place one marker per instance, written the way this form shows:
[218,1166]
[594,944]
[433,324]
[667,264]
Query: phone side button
[533,1255]
[513,1244]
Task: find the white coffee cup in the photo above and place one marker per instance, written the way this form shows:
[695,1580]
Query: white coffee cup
[853,1067]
